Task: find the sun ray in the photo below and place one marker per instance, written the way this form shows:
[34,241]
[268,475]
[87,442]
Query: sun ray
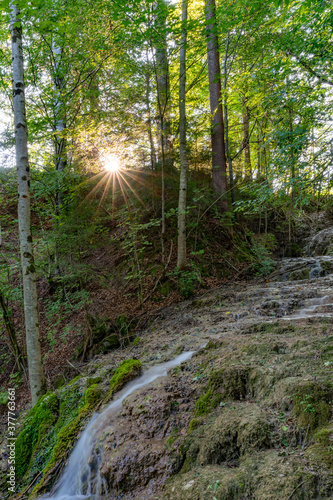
[133,191]
[113,196]
[124,195]
[98,185]
[135,178]
[104,194]
[91,178]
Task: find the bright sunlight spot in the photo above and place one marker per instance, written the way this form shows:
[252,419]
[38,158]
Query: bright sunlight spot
[112,164]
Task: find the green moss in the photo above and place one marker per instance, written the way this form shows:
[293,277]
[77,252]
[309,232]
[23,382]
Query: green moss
[78,377]
[36,425]
[73,409]
[322,448]
[92,396]
[213,344]
[136,341]
[59,381]
[327,265]
[270,328]
[94,380]
[301,274]
[194,424]
[312,404]
[172,438]
[231,382]
[224,383]
[128,370]
[66,438]
[207,402]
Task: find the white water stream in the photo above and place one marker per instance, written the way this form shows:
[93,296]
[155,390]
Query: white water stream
[318,307]
[81,480]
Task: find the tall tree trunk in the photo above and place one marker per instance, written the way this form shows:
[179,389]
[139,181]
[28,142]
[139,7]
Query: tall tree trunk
[219,163]
[35,367]
[258,152]
[246,143]
[181,256]
[226,124]
[163,80]
[163,227]
[292,156]
[149,126]
[60,159]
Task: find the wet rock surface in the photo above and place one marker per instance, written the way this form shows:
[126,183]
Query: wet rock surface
[321,243]
[302,268]
[138,442]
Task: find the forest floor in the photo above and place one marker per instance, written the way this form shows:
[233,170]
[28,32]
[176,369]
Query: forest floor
[248,416]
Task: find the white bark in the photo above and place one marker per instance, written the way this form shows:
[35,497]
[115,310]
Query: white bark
[36,375]
[181,256]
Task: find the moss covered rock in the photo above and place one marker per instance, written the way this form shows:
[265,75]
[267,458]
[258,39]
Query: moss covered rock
[322,447]
[312,404]
[51,428]
[129,369]
[228,436]
[36,425]
[264,475]
[231,382]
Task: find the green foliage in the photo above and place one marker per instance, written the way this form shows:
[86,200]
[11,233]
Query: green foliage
[59,308]
[3,397]
[262,249]
[186,280]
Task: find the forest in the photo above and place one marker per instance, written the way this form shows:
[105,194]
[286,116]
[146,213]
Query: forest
[166,249]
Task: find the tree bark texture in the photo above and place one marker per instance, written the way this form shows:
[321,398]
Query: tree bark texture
[217,126]
[35,367]
[226,125]
[60,159]
[163,81]
[246,143]
[181,255]
[149,124]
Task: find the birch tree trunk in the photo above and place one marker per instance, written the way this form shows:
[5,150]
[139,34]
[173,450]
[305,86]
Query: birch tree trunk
[35,367]
[181,256]
[219,166]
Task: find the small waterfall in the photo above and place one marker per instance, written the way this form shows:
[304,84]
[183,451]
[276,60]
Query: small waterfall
[81,478]
[315,270]
[317,307]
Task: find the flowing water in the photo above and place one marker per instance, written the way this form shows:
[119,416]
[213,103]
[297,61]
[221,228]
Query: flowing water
[81,478]
[318,307]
